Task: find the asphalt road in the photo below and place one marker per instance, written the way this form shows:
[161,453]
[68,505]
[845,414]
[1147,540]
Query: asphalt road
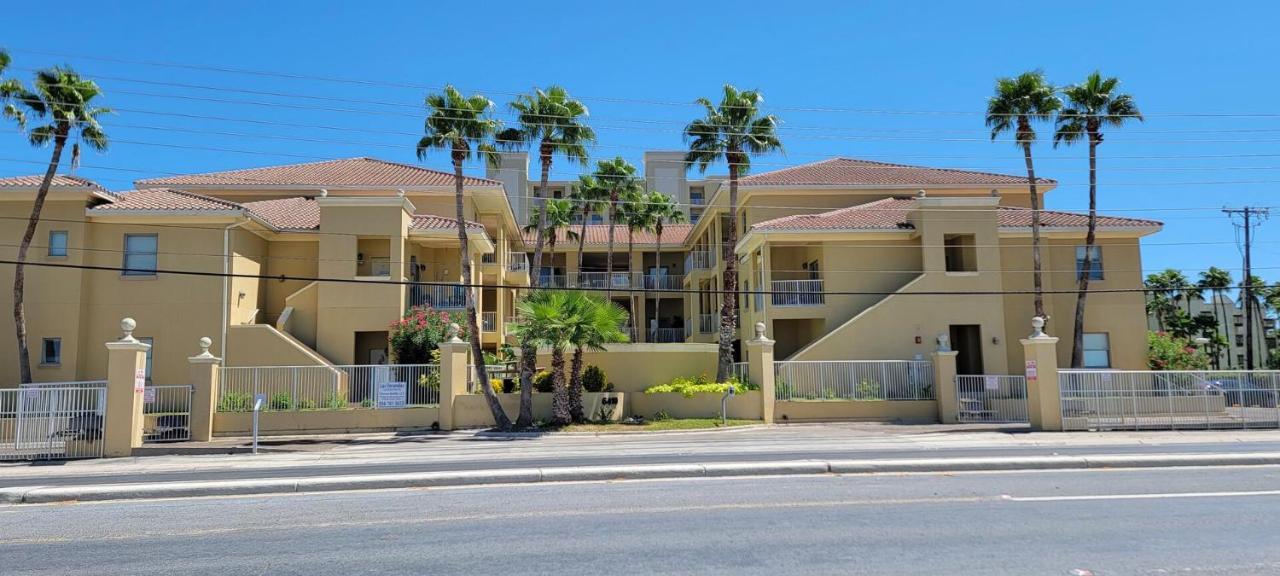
[1186,521]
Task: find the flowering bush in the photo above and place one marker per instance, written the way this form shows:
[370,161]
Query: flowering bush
[688,387]
[1167,352]
[414,337]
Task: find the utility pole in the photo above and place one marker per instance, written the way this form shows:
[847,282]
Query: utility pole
[1246,212]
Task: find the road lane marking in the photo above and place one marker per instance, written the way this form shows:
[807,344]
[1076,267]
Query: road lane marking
[1156,496]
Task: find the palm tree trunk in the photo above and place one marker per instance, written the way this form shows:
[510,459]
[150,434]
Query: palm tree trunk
[729,291]
[560,396]
[1037,281]
[499,415]
[657,265]
[575,387]
[1086,268]
[19,270]
[608,257]
[528,351]
[1217,330]
[582,238]
[631,257]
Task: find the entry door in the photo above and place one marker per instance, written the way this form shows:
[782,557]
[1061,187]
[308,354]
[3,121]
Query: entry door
[967,340]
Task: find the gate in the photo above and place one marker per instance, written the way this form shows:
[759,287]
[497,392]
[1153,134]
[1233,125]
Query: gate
[988,398]
[48,421]
[1169,400]
[166,413]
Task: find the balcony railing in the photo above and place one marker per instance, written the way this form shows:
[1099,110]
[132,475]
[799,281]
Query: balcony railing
[553,281]
[666,335]
[517,262]
[798,293]
[439,297]
[489,258]
[707,323]
[488,321]
[697,260]
[619,280]
[663,281]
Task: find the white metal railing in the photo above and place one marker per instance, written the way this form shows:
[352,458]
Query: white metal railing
[54,420]
[854,380]
[488,321]
[166,413]
[489,258]
[741,372]
[493,371]
[991,398]
[697,260]
[707,323]
[798,293]
[367,385]
[553,281]
[666,335]
[619,280]
[1143,399]
[439,297]
[517,262]
[288,388]
[663,281]
[75,384]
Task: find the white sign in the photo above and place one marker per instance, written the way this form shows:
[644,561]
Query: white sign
[33,393]
[149,396]
[1031,370]
[991,383]
[391,394]
[139,380]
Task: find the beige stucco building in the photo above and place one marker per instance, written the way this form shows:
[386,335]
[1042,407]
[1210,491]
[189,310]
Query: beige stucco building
[853,260]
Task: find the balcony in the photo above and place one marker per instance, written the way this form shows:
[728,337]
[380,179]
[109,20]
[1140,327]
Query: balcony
[438,297]
[489,258]
[798,293]
[698,260]
[488,321]
[517,262]
[667,335]
[619,280]
[707,323]
[663,282]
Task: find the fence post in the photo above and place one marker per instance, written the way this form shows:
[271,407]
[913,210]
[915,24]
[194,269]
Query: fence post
[1044,395]
[126,380]
[944,381]
[453,374]
[204,390]
[760,370]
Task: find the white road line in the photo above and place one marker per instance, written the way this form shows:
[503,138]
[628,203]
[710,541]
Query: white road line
[1140,496]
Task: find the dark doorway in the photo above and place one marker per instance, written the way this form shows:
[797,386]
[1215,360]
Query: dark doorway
[967,340]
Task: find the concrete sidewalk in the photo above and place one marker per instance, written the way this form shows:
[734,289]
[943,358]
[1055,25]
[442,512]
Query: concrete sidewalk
[427,459]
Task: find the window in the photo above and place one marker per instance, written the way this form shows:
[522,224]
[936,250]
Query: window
[58,243]
[1097,350]
[1095,262]
[696,195]
[140,254]
[149,341]
[960,252]
[51,352]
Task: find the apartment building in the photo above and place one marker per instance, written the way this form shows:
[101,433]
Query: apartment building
[1231,325]
[841,259]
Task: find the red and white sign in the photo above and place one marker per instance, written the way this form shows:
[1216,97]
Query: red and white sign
[1031,370]
[139,380]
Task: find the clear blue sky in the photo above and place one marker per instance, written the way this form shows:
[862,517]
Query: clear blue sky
[848,78]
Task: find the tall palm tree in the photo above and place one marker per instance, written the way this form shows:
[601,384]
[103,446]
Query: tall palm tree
[731,131]
[544,316]
[454,122]
[1091,104]
[663,210]
[65,99]
[1254,299]
[1217,281]
[592,323]
[553,121]
[634,212]
[557,218]
[1016,104]
[618,177]
[587,197]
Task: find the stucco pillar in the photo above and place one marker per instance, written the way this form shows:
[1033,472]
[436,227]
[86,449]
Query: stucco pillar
[944,382]
[760,370]
[204,391]
[126,380]
[1044,397]
[453,374]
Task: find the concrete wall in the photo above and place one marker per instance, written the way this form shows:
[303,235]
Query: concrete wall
[263,345]
[325,421]
[745,406]
[634,367]
[472,411]
[827,411]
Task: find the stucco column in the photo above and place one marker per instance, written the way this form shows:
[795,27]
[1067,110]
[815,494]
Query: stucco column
[453,374]
[760,370]
[944,381]
[204,391]
[1044,397]
[126,380]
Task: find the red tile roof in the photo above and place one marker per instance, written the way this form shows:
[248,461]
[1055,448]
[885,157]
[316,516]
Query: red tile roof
[349,172]
[59,180]
[598,235]
[433,222]
[165,199]
[287,213]
[891,214]
[853,172]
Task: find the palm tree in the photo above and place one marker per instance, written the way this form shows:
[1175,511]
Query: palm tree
[618,177]
[543,320]
[1016,104]
[66,100]
[634,212]
[1217,281]
[592,322]
[557,218]
[1253,294]
[1091,105]
[453,123]
[663,210]
[731,131]
[589,195]
[554,121]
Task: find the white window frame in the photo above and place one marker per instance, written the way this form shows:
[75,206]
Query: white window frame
[1107,337]
[45,360]
[55,251]
[136,271]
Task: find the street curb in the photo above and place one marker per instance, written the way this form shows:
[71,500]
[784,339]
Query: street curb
[100,492]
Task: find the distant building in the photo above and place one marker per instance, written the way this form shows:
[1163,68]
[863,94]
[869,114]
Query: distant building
[1231,327]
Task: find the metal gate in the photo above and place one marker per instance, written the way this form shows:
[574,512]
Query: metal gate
[989,398]
[166,413]
[40,422]
[1169,400]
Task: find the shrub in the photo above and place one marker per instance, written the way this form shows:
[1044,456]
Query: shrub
[593,380]
[332,401]
[306,404]
[868,389]
[661,415]
[543,382]
[413,338]
[496,384]
[235,402]
[281,401]
[366,403]
[430,381]
[1167,352]
[688,387]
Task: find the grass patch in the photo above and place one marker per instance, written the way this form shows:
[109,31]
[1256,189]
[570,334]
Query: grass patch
[658,425]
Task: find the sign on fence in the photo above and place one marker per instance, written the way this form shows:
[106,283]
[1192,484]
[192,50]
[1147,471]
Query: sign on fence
[991,383]
[139,380]
[1032,374]
[149,396]
[391,394]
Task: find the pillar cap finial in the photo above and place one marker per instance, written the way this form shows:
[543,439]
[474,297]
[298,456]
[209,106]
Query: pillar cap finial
[1037,327]
[205,343]
[128,325]
[451,335]
[944,342]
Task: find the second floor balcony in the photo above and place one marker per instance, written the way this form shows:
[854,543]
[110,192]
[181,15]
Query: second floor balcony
[440,297]
[707,323]
[517,262]
[698,260]
[798,293]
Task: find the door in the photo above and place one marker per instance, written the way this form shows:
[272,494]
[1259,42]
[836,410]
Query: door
[967,340]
